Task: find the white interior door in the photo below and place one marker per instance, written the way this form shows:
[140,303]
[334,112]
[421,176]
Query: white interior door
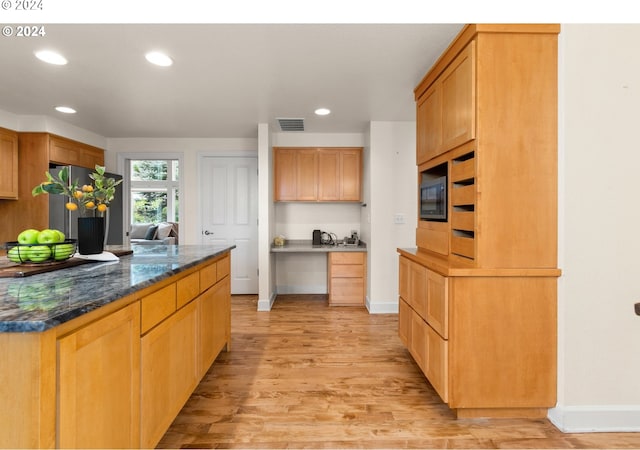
[229,188]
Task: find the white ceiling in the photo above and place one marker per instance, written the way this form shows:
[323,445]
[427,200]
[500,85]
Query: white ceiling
[226,78]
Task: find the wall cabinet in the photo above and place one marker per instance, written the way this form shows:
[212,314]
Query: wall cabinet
[478,295]
[9,163]
[446,110]
[74,153]
[317,174]
[347,273]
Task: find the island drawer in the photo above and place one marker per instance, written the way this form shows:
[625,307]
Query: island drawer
[157,306]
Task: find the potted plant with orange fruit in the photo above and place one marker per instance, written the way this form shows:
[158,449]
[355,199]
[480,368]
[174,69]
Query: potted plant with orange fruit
[91,200]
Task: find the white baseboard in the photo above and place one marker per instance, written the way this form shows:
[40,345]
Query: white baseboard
[381,307]
[266,304]
[606,418]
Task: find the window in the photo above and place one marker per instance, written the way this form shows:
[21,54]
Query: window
[154,190]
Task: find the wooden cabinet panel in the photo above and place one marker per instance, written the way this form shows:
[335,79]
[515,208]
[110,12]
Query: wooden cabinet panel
[9,162]
[66,151]
[346,278]
[99,383]
[437,310]
[223,268]
[214,312]
[458,100]
[351,175]
[313,174]
[187,289]
[27,211]
[328,175]
[208,276]
[157,306]
[169,372]
[404,321]
[418,342]
[285,174]
[437,367]
[307,175]
[429,125]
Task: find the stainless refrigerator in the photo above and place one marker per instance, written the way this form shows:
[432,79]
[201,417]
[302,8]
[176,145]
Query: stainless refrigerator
[67,221]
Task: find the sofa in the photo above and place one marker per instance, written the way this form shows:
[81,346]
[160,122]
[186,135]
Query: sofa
[154,233]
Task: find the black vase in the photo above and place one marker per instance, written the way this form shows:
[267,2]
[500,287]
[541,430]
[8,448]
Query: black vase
[90,235]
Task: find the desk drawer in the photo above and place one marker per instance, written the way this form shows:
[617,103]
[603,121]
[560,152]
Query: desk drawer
[346,257]
[347,271]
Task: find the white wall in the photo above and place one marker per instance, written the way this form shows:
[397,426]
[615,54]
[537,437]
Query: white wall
[392,191]
[189,151]
[599,334]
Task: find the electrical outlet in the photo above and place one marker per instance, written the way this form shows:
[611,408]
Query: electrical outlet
[398,218]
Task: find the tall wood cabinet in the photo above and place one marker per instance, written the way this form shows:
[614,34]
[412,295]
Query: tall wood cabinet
[478,295]
[311,174]
[9,162]
[34,153]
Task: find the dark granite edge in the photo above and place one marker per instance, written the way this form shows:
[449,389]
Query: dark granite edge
[43,325]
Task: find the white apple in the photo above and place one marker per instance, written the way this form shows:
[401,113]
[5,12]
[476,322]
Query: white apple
[29,236]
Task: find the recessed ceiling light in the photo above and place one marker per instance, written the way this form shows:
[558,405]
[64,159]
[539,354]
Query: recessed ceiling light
[159,59]
[65,109]
[51,57]
[322,111]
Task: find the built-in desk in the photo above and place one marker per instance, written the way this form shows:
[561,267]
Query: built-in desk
[346,269]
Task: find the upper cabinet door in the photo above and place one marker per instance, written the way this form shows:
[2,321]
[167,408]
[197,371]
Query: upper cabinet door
[445,112]
[328,174]
[351,175]
[458,100]
[307,173]
[429,124]
[9,160]
[285,174]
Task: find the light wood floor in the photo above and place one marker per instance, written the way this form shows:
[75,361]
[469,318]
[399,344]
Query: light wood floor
[306,375]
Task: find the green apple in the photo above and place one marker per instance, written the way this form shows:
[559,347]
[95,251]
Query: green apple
[18,254]
[29,236]
[61,236]
[39,253]
[62,251]
[47,236]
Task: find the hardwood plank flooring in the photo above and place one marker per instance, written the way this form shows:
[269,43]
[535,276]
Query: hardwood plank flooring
[305,375]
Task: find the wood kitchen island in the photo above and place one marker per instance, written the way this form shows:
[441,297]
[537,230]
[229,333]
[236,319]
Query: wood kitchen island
[106,354]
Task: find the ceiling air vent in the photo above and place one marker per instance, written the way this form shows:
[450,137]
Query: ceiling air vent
[291,124]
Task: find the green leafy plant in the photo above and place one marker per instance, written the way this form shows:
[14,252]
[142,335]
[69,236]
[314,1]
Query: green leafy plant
[94,197]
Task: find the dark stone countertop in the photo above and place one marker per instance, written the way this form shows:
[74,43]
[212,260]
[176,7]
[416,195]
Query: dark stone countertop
[306,246]
[43,301]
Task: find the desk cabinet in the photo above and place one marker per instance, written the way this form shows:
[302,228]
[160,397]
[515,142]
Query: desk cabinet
[347,273]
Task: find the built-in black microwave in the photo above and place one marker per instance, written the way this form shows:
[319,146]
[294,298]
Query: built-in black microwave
[433,199]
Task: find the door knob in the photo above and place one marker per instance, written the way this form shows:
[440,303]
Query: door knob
[207,232]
